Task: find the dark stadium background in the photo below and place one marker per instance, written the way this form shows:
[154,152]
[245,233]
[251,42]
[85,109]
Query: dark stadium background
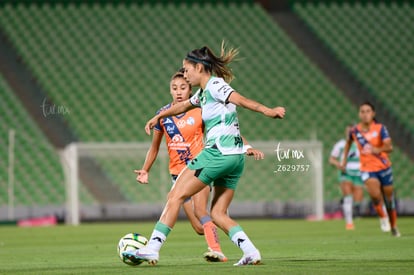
[95,71]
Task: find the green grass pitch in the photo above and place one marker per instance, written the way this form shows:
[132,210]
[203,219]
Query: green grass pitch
[287,247]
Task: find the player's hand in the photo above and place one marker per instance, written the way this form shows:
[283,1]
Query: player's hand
[151,124]
[342,166]
[277,112]
[367,149]
[255,153]
[142,176]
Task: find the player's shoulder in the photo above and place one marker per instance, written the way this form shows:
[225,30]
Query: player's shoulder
[215,80]
[382,129]
[379,125]
[163,108]
[340,143]
[353,130]
[215,83]
[194,112]
[218,88]
[355,127]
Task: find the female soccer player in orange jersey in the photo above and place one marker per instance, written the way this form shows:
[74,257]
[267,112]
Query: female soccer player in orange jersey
[184,138]
[374,143]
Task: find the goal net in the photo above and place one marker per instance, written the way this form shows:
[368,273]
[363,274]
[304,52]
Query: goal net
[100,183]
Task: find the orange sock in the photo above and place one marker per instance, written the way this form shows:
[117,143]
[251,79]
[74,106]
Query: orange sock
[380,210]
[211,234]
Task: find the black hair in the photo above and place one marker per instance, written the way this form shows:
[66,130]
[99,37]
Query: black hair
[212,63]
[368,104]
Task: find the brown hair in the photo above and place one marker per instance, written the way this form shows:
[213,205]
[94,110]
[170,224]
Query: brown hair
[212,63]
[180,74]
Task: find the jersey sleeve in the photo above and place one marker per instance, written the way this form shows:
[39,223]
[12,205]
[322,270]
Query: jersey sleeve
[158,126]
[220,90]
[195,99]
[350,135]
[336,150]
[384,132]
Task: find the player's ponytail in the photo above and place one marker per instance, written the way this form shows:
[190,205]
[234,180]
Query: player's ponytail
[215,64]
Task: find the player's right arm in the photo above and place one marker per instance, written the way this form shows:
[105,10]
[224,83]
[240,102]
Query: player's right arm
[348,144]
[334,158]
[142,175]
[175,109]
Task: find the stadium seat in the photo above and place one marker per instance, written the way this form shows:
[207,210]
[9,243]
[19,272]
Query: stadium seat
[110,64]
[36,175]
[377,49]
[374,40]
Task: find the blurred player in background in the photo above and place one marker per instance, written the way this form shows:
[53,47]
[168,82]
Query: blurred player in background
[222,159]
[349,178]
[374,143]
[184,138]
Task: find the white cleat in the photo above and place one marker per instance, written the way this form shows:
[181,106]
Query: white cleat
[142,254]
[251,259]
[385,224]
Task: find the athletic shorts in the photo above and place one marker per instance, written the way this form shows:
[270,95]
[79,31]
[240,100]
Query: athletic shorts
[211,165]
[384,176]
[356,180]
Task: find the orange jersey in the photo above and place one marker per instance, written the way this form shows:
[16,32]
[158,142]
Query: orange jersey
[375,136]
[184,137]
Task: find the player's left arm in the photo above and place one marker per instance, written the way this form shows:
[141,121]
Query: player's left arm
[345,153]
[250,151]
[239,100]
[386,147]
[386,142]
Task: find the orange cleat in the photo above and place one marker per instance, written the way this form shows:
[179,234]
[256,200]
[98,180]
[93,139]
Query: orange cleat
[349,226]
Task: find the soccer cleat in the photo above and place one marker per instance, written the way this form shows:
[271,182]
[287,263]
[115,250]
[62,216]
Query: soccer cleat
[395,232]
[385,224]
[252,259]
[349,226]
[142,254]
[214,256]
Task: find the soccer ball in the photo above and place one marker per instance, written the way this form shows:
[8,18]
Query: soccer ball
[131,241]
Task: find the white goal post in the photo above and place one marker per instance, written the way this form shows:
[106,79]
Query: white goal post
[100,183]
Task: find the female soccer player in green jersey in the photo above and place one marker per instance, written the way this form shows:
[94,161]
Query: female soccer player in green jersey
[184,138]
[349,178]
[222,159]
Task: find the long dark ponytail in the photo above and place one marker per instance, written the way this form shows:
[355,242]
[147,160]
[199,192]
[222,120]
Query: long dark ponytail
[215,64]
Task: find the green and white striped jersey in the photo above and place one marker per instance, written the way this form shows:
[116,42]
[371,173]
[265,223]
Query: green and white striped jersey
[352,166]
[219,117]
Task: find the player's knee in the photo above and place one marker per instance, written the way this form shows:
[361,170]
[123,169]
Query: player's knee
[176,196]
